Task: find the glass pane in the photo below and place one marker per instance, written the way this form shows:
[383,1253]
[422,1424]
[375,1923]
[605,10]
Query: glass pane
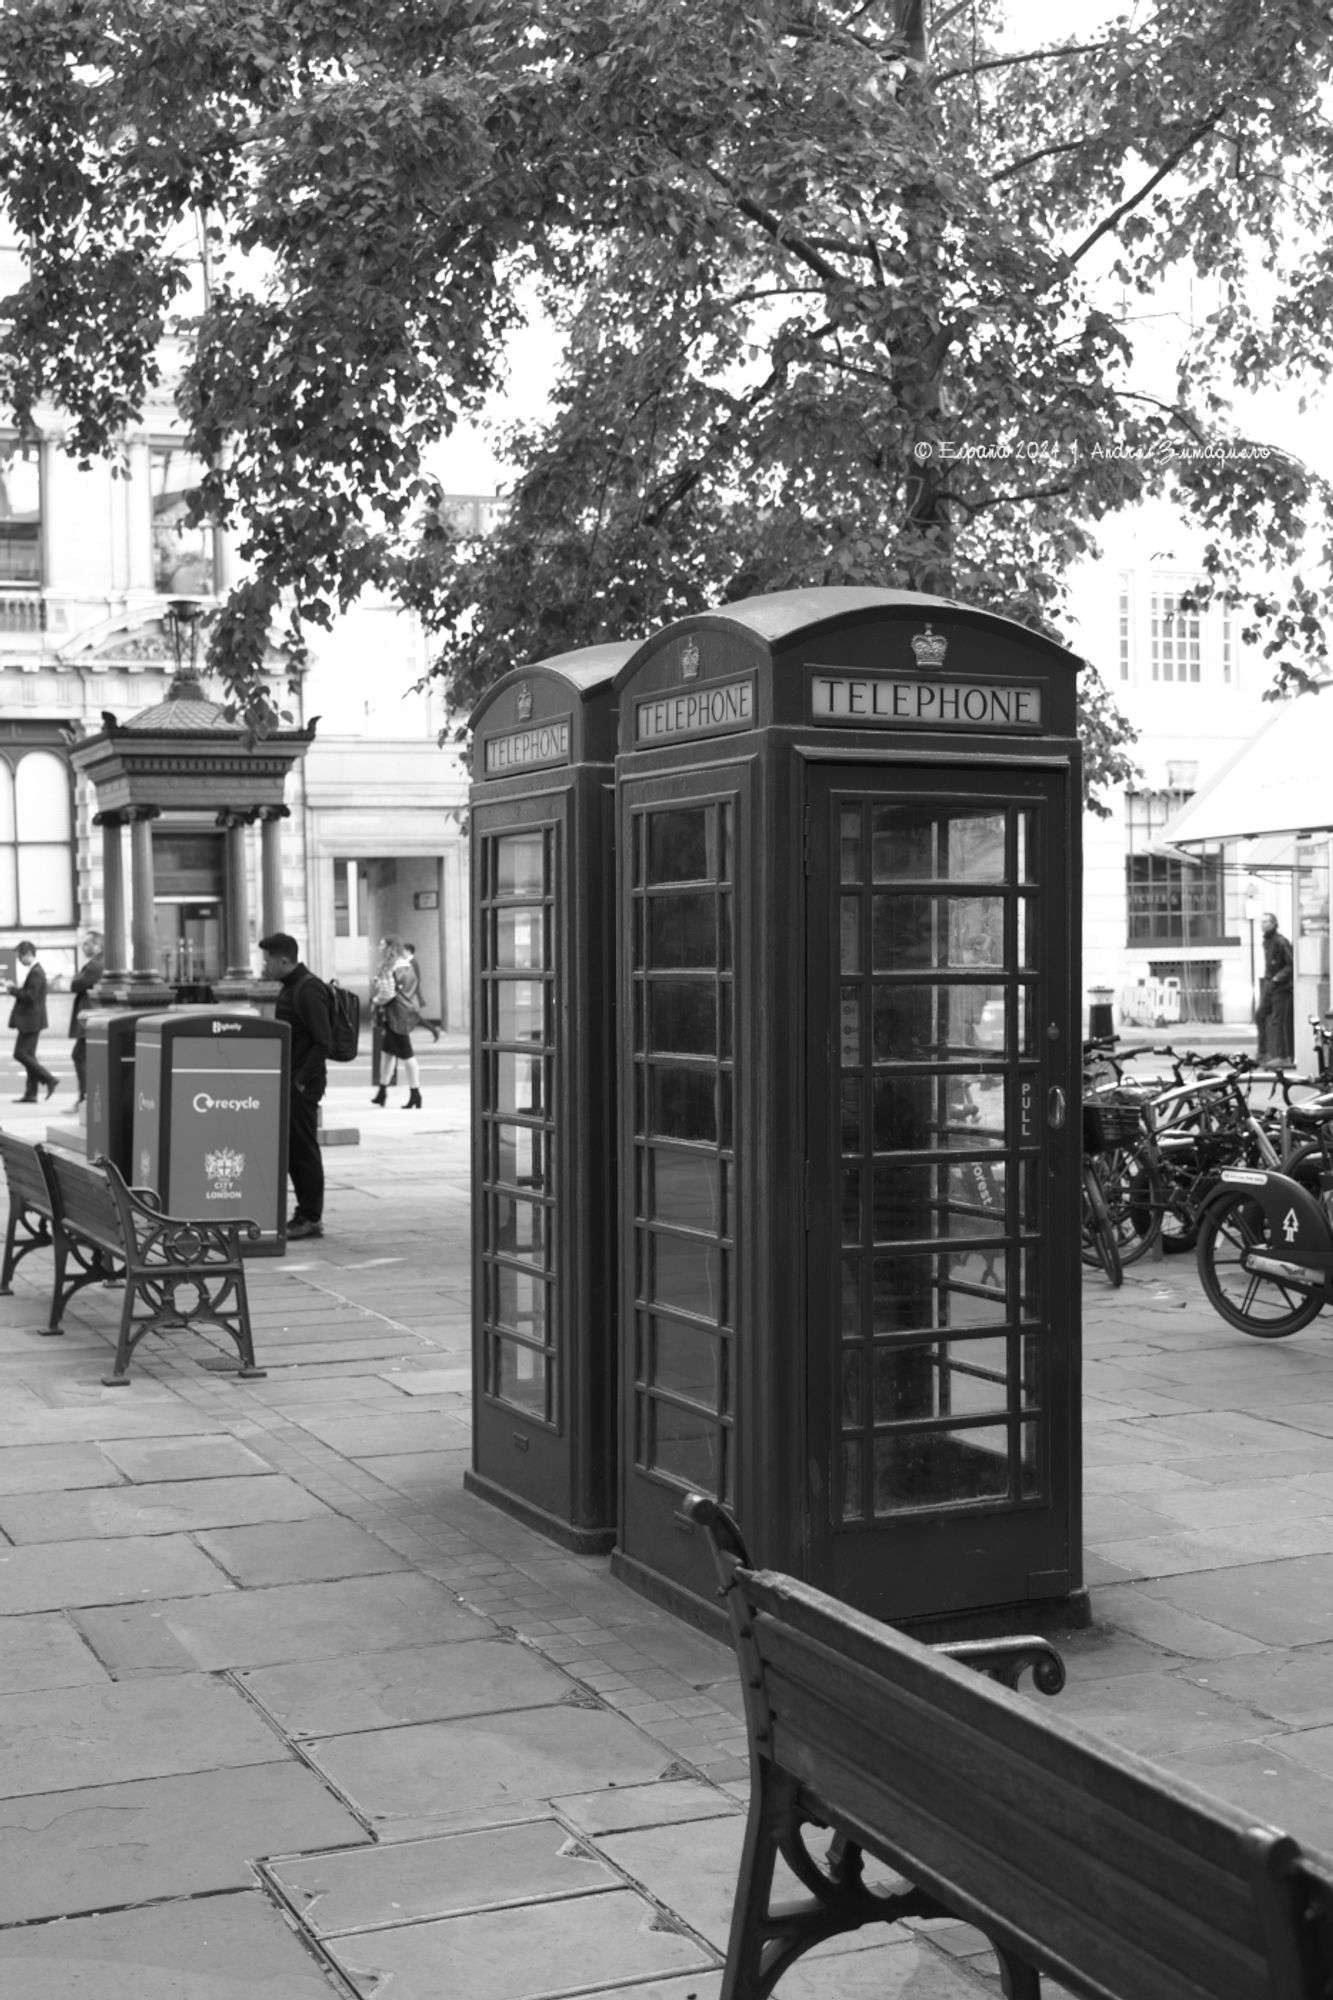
[682,931]
[1027,846]
[519,1301]
[519,859]
[975,1378]
[904,1383]
[931,1469]
[976,930]
[1030,1479]
[850,1025]
[938,1020]
[850,955]
[851,1295]
[682,1103]
[851,1115]
[520,1376]
[518,1227]
[1027,935]
[687,1190]
[518,1084]
[937,1113]
[725,844]
[9,895]
[849,847]
[520,1013]
[946,1288]
[520,939]
[852,1391]
[682,1016]
[519,1156]
[687,1274]
[919,1200]
[678,846]
[42,794]
[724,1048]
[687,1362]
[46,886]
[851,1204]
[975,848]
[853,1506]
[903,932]
[7,820]
[902,842]
[687,1446]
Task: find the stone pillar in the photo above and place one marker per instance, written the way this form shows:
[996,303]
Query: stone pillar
[238,980]
[143,947]
[113,895]
[270,836]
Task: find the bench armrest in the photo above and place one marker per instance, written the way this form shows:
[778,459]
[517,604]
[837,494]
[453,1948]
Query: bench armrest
[155,1231]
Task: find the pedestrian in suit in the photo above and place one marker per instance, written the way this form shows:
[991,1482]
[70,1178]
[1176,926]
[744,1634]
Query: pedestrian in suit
[81,986]
[28,1018]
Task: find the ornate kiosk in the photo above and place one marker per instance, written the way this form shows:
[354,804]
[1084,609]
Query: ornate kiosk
[848,846]
[543,1175]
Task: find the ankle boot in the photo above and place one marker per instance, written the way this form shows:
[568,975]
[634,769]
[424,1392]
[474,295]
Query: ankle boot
[381,1095]
[414,1101]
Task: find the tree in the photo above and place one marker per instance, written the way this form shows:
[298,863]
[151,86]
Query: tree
[846,289]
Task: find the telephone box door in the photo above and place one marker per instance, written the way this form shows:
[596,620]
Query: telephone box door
[942,1232]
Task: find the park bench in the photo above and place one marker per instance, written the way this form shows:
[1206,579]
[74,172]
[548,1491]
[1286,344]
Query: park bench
[30,1211]
[1079,1861]
[176,1271]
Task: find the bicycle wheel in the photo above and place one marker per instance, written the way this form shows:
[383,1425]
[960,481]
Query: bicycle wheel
[1254,1301]
[1098,1229]
[1136,1197]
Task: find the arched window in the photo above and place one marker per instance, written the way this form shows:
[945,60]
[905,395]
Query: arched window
[36,863]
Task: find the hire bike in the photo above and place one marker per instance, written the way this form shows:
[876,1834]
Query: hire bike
[1265,1248]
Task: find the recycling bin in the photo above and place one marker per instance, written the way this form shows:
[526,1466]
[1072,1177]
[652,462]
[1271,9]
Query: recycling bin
[110,1128]
[211,1094]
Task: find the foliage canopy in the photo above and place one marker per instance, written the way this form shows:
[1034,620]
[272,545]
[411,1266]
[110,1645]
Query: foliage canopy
[849,291]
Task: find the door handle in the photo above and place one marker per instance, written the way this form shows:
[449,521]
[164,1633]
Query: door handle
[1055,1107]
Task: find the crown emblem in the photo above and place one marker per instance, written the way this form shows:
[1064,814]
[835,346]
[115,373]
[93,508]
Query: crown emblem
[523,701]
[689,660]
[224,1165]
[930,648]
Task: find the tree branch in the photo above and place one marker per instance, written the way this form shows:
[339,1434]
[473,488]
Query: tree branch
[1033,56]
[1172,161]
[772,226]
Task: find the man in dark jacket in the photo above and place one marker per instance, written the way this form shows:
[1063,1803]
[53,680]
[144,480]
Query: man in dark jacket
[1275,1015]
[28,1017]
[81,986]
[303,1004]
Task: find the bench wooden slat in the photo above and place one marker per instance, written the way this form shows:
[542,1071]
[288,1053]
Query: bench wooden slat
[1080,1861]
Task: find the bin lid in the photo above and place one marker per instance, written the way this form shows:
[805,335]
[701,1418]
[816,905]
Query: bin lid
[559,710]
[848,657]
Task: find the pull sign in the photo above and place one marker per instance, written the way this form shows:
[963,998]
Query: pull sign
[1025,1108]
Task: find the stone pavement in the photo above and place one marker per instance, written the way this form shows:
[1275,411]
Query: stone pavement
[284,1711]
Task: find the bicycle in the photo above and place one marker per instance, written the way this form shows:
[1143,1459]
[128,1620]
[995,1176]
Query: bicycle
[1265,1251]
[1099,1244]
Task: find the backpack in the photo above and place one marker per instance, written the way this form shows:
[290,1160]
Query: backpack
[344,1022]
[344,1019]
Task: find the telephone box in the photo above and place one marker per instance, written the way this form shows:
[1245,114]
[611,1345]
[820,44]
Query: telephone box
[848,834]
[210,1117]
[543,1172]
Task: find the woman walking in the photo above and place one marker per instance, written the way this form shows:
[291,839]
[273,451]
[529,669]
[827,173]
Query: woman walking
[396,999]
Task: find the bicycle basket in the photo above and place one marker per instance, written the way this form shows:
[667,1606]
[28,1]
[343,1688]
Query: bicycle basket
[1106,1125]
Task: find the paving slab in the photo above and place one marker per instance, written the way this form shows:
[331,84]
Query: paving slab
[414,1880]
[298,1552]
[299,1621]
[153,1459]
[546,1949]
[423,1472]
[668,1803]
[1276,1603]
[363,1691]
[1157,1713]
[65,1738]
[404,1779]
[1295,1688]
[1264,1779]
[172,1505]
[47,1577]
[375,1436]
[56,1468]
[96,1848]
[44,1650]
[216,1948]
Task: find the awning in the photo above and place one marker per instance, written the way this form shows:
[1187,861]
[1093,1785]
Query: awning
[1279,782]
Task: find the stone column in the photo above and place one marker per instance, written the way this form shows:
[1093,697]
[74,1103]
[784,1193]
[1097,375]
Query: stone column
[270,837]
[113,895]
[238,978]
[143,949]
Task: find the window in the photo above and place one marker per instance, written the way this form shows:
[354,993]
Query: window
[20,516]
[36,850]
[1126,628]
[182,555]
[1177,642]
[1168,901]
[351,898]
